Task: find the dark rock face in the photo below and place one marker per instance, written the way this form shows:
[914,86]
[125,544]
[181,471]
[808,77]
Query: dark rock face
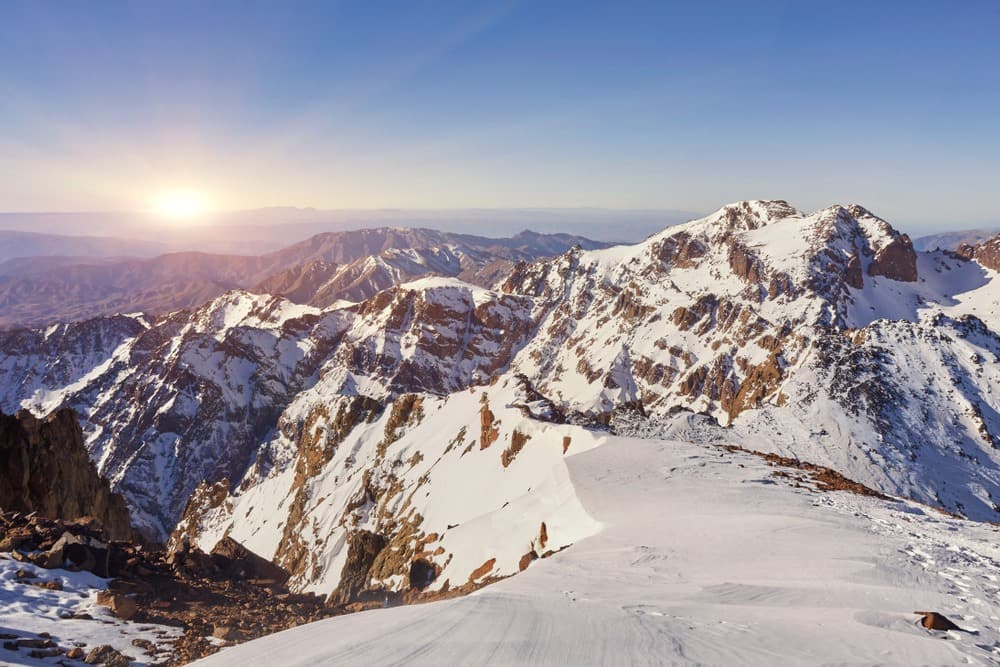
[986,253]
[855,277]
[364,547]
[236,561]
[44,468]
[897,260]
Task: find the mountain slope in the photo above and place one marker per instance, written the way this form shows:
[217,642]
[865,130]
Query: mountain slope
[703,559]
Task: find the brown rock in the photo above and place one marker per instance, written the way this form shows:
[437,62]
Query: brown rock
[122,606]
[896,260]
[227,633]
[483,569]
[986,253]
[45,468]
[235,560]
[75,653]
[517,442]
[932,620]
[107,656]
[488,429]
[45,653]
[363,547]
[855,277]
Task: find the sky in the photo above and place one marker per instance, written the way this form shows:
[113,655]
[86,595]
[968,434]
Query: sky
[634,105]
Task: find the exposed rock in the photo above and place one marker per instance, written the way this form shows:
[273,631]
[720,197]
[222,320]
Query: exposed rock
[236,561]
[986,253]
[488,431]
[932,620]
[363,547]
[483,570]
[227,633]
[45,468]
[517,442]
[855,276]
[422,573]
[121,605]
[896,260]
[107,656]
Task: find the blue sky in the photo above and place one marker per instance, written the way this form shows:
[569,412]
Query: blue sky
[503,104]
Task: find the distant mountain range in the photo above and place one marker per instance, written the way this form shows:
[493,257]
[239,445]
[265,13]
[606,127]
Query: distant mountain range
[30,244]
[321,270]
[257,231]
[952,240]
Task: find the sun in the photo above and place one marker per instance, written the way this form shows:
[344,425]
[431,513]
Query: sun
[181,205]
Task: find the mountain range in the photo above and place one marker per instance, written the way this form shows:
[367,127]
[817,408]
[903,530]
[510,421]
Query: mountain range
[324,268]
[373,420]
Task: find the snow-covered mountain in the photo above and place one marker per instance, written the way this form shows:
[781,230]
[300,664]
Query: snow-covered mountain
[952,240]
[412,439]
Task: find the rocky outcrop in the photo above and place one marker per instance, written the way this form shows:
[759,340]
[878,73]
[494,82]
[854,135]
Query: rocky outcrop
[363,548]
[44,468]
[986,253]
[855,277]
[896,260]
[933,620]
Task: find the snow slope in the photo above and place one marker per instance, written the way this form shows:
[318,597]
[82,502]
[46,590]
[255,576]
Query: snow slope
[457,481]
[705,558]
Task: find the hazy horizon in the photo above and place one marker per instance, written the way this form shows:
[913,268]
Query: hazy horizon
[630,225]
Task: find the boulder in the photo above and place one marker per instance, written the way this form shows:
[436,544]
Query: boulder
[236,561]
[933,620]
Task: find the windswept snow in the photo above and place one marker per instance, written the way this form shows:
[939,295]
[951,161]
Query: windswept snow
[705,558]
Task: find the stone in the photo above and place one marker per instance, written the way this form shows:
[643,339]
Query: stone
[235,560]
[933,620]
[122,606]
[227,633]
[41,654]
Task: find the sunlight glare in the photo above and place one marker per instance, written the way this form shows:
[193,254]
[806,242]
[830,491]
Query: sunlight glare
[181,205]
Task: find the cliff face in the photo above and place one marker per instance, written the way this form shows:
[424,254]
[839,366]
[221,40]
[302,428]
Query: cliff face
[986,253]
[44,468]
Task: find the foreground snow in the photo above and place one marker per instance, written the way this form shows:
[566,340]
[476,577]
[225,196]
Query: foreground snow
[28,611]
[705,557]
